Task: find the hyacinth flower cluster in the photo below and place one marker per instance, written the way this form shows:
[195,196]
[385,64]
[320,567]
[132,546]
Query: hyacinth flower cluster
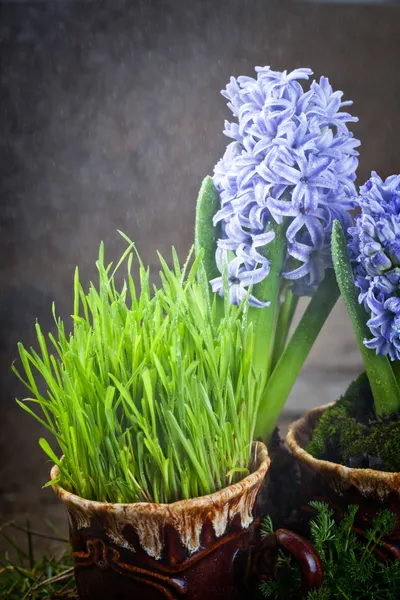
[292,163]
[369,278]
[265,218]
[375,244]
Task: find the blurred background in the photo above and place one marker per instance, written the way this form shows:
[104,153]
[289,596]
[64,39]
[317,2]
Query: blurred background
[110,116]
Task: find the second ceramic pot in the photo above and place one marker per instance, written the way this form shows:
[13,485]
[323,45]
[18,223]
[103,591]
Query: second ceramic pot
[339,485]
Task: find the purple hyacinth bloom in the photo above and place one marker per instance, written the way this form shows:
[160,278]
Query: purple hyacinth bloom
[239,279]
[292,162]
[375,248]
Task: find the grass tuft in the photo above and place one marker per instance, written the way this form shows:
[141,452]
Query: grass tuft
[27,578]
[151,397]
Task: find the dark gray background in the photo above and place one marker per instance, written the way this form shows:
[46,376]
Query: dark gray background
[110,116]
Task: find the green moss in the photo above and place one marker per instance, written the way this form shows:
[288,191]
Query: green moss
[349,431]
[383,441]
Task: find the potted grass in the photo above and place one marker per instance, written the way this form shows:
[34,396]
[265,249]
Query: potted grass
[152,404]
[350,449]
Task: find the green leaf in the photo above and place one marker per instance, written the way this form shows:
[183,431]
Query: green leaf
[45,446]
[188,445]
[54,481]
[264,319]
[293,357]
[384,387]
[287,310]
[206,235]
[267,526]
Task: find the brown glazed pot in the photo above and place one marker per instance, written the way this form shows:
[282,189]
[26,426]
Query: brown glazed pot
[340,485]
[186,550]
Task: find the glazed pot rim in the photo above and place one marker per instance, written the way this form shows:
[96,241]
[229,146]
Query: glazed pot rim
[261,459]
[187,517]
[360,478]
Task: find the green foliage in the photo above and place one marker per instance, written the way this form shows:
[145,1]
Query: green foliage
[322,593]
[43,578]
[206,235]
[382,440]
[351,569]
[287,584]
[337,425]
[144,397]
[264,320]
[293,356]
[349,429]
[266,526]
[269,589]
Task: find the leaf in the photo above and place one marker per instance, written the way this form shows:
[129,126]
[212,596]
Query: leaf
[264,319]
[187,444]
[45,446]
[206,235]
[146,376]
[267,526]
[384,387]
[294,355]
[54,481]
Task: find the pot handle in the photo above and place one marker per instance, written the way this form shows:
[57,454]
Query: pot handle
[264,558]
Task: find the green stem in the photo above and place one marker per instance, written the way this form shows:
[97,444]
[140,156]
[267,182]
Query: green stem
[382,380]
[285,318]
[264,319]
[293,357]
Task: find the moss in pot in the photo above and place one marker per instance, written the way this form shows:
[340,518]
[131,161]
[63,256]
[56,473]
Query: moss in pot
[350,432]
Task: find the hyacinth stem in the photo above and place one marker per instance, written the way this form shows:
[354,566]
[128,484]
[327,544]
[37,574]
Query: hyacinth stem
[384,387]
[265,319]
[285,318]
[293,357]
[206,236]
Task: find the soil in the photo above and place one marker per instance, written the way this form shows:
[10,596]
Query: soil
[280,492]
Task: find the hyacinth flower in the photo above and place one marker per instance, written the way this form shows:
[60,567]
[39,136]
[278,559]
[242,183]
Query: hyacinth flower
[265,217]
[367,265]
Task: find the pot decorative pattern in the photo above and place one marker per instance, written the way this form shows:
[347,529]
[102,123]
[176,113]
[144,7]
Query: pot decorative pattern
[340,486]
[187,550]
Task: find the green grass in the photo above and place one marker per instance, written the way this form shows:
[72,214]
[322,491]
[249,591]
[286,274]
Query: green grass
[25,577]
[152,397]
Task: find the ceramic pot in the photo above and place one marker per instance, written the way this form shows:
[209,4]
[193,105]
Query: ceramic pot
[186,550]
[339,485]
